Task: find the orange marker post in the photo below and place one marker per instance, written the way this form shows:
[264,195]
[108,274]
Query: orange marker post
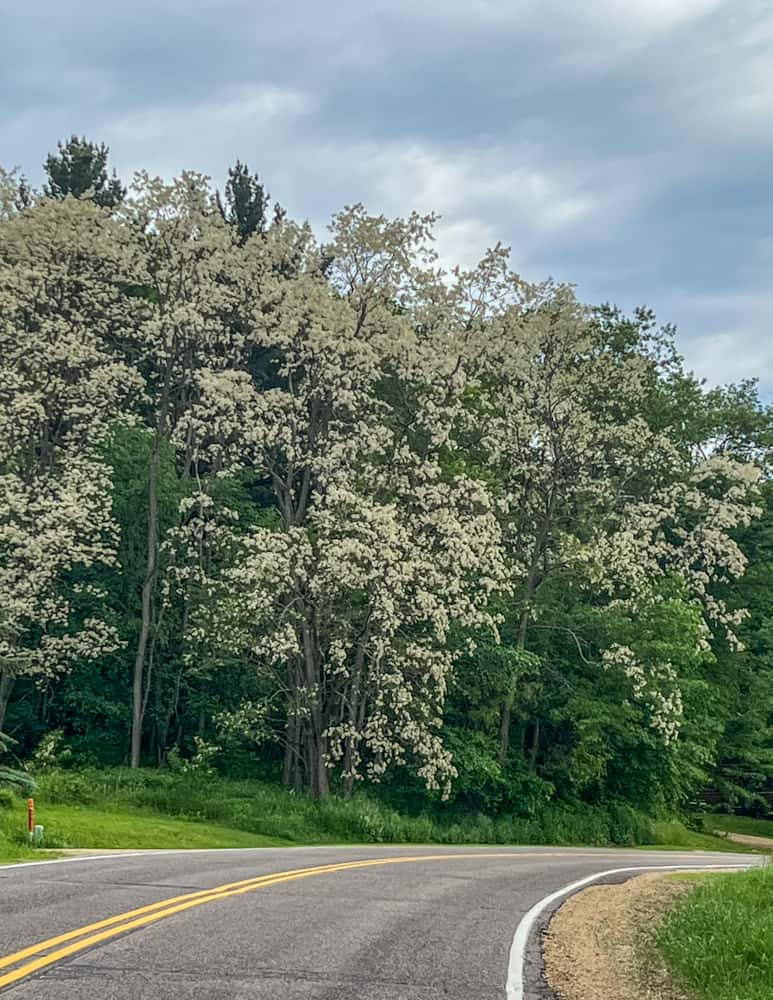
[31,818]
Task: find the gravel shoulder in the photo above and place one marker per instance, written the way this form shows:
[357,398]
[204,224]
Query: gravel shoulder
[599,944]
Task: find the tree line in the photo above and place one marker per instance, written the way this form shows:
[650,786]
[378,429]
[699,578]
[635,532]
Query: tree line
[339,516]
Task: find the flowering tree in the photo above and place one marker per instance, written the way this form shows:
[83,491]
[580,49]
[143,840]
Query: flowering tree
[564,422]
[15,192]
[348,601]
[189,274]
[366,479]
[62,381]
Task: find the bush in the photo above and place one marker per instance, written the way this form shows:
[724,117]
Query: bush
[8,798]
[12,778]
[256,807]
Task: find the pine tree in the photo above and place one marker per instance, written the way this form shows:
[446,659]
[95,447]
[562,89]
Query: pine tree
[80,169]
[246,201]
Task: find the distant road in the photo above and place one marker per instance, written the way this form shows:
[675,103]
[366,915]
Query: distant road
[344,923]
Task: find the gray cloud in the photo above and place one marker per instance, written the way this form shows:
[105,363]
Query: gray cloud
[622,145]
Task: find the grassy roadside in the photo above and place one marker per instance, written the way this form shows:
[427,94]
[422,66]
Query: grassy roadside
[89,827]
[118,808]
[719,939]
[738,824]
[673,834]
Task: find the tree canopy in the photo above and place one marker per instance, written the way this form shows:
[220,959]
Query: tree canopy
[353,519]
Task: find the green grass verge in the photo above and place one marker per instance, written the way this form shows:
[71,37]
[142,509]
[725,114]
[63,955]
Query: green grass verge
[90,827]
[11,851]
[719,939]
[118,808]
[738,824]
[674,834]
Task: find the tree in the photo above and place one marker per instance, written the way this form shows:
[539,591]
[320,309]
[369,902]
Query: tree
[80,170]
[451,532]
[347,602]
[63,379]
[565,423]
[190,278]
[15,193]
[246,201]
[559,423]
[12,776]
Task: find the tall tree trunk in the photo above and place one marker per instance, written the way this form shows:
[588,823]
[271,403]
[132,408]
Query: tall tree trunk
[523,625]
[7,681]
[148,587]
[291,767]
[534,746]
[317,773]
[507,707]
[292,749]
[320,787]
[356,703]
[319,784]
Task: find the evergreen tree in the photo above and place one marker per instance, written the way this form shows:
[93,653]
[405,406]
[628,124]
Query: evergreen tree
[80,169]
[246,201]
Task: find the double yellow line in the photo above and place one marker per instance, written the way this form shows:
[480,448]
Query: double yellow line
[54,949]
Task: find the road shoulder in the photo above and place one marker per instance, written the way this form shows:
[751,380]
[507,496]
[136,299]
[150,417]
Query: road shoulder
[599,943]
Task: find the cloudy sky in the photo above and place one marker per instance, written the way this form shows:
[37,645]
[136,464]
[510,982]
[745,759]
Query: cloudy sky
[622,145]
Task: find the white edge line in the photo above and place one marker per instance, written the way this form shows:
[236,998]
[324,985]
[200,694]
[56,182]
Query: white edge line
[526,850]
[61,861]
[515,987]
[517,849]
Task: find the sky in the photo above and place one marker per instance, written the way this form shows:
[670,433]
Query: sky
[620,145]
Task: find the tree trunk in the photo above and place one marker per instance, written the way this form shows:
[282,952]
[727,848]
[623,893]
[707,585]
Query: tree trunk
[320,787]
[292,750]
[357,706]
[523,625]
[319,784]
[6,687]
[507,708]
[534,746]
[148,588]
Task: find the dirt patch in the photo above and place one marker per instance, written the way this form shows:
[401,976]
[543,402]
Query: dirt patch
[599,945]
[746,838]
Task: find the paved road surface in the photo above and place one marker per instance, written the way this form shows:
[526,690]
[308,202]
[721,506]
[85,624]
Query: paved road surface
[438,926]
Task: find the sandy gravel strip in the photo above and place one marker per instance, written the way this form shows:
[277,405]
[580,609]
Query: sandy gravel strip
[600,943]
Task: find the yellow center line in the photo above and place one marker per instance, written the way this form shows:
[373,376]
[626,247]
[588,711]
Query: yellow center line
[143,916]
[80,931]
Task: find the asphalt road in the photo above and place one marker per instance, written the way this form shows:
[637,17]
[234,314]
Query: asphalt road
[439,926]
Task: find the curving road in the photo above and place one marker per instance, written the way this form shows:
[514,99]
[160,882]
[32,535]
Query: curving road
[365,923]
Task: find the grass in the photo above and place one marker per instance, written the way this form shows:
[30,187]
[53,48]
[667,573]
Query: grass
[674,834]
[719,939]
[119,808]
[258,808]
[12,851]
[89,827]
[738,824]
[693,877]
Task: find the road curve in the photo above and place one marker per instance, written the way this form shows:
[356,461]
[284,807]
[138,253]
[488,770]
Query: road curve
[333,923]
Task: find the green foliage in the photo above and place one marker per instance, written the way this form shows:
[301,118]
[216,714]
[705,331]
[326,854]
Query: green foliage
[80,168]
[744,679]
[16,779]
[264,809]
[12,779]
[246,201]
[719,939]
[8,797]
[51,752]
[582,753]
